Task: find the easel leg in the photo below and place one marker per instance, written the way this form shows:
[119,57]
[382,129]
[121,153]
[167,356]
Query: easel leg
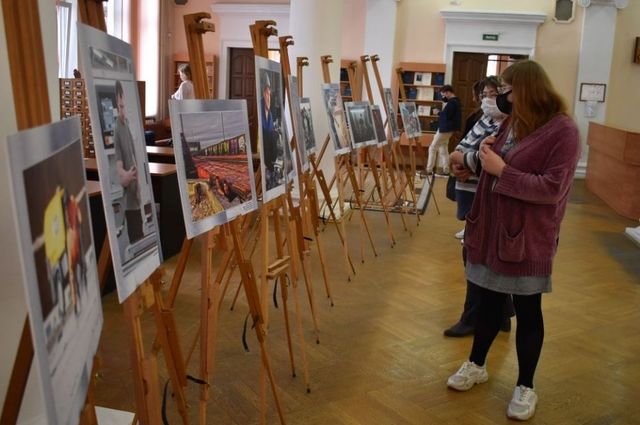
[356,192]
[376,178]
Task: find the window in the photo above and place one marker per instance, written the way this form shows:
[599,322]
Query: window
[64,10]
[148,62]
[117,14]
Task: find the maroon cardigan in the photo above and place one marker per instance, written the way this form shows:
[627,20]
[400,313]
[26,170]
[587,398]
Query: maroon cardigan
[514,222]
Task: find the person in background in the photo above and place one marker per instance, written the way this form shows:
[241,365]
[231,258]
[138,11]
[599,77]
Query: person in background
[465,166]
[449,121]
[513,227]
[127,169]
[185,90]
[472,119]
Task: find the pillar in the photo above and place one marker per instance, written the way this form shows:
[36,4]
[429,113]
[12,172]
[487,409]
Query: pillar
[316,27]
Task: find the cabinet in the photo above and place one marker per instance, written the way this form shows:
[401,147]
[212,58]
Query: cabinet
[73,101]
[212,67]
[421,83]
[350,85]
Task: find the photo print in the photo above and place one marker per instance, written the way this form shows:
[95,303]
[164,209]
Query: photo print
[297,122]
[381,135]
[410,119]
[58,262]
[275,153]
[121,157]
[360,122]
[392,116]
[307,126]
[338,130]
[213,160]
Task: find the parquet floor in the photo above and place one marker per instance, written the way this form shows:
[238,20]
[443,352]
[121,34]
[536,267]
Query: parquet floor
[382,357]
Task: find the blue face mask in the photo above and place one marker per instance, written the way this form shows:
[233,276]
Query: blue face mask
[503,103]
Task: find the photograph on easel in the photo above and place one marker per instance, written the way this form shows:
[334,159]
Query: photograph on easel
[392,117]
[307,125]
[121,157]
[410,120]
[213,161]
[298,131]
[381,135]
[58,262]
[338,130]
[275,152]
[360,122]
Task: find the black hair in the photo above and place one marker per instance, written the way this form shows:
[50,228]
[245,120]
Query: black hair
[447,87]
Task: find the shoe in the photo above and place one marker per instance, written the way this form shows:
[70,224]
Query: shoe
[458,330]
[467,376]
[460,234]
[506,325]
[523,403]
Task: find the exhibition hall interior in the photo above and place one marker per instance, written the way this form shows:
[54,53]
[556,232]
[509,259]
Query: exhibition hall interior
[358,212]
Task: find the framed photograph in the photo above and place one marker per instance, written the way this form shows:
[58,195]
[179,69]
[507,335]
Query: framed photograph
[392,116]
[381,135]
[360,121]
[121,156]
[338,130]
[275,152]
[592,92]
[309,137]
[58,262]
[297,122]
[410,119]
[213,161]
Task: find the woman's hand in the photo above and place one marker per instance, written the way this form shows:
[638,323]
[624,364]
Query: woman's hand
[492,163]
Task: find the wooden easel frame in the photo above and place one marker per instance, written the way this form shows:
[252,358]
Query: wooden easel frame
[344,161]
[304,212]
[412,141]
[278,209]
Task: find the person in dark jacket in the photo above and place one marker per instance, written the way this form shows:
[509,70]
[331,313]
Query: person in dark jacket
[450,120]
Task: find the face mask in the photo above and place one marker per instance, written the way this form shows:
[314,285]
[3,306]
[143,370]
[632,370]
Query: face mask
[503,104]
[490,108]
[445,98]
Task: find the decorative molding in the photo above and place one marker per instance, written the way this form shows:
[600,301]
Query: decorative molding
[619,4]
[250,9]
[493,16]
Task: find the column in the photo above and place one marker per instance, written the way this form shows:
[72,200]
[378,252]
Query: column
[379,38]
[316,27]
[594,66]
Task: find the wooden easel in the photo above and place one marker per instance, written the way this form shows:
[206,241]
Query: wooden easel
[399,180]
[278,209]
[344,161]
[304,213]
[31,100]
[211,294]
[413,141]
[311,189]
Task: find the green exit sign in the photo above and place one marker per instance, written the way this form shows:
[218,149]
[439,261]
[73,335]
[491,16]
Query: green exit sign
[490,37]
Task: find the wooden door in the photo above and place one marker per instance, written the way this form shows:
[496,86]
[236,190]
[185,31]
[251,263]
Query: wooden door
[467,69]
[242,85]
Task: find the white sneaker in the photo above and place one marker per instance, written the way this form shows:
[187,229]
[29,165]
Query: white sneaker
[460,234]
[467,376]
[523,403]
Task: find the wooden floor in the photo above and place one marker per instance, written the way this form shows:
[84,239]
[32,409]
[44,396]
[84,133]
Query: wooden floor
[382,357]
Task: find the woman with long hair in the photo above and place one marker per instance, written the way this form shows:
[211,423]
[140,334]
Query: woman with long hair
[512,230]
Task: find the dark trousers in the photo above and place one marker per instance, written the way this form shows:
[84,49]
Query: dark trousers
[529,332]
[134,225]
[472,301]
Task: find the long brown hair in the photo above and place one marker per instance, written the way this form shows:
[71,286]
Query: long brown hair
[535,100]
